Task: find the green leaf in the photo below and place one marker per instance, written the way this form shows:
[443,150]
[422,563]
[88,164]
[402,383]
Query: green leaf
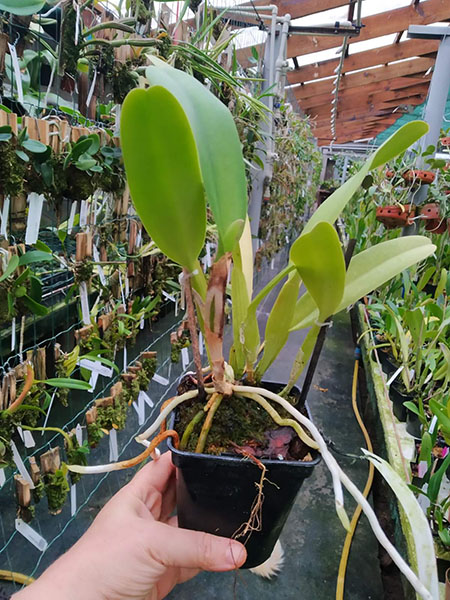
[319,259]
[419,528]
[22,155]
[22,7]
[396,144]
[101,359]
[5,137]
[34,146]
[68,383]
[12,266]
[367,271]
[279,321]
[160,154]
[95,144]
[35,307]
[85,162]
[40,245]
[34,256]
[435,482]
[219,150]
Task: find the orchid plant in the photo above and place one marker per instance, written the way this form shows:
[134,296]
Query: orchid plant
[182,152]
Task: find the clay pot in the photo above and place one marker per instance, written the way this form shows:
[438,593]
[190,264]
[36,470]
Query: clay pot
[418,176]
[395,215]
[431,214]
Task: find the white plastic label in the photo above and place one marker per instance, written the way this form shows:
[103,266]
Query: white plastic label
[93,381]
[31,535]
[2,478]
[200,343]
[91,89]
[17,74]
[27,437]
[159,379]
[125,358]
[208,255]
[146,398]
[35,203]
[100,271]
[185,358]
[84,303]
[73,499]
[272,264]
[168,296]
[5,217]
[395,375]
[79,434]
[142,323]
[121,290]
[139,407]
[48,412]
[422,468]
[95,367]
[21,467]
[73,210]
[13,334]
[113,449]
[83,214]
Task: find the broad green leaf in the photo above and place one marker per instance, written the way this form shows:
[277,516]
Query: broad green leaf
[420,530]
[396,144]
[416,325]
[425,278]
[42,246]
[163,172]
[85,162]
[427,444]
[5,137]
[34,256]
[95,144]
[368,270]
[219,150]
[319,260]
[278,322]
[12,266]
[435,482]
[444,372]
[34,146]
[22,7]
[22,155]
[68,383]
[35,307]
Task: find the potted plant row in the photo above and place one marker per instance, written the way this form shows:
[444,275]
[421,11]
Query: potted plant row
[182,152]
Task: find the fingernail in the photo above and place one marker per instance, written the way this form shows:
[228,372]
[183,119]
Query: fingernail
[236,555]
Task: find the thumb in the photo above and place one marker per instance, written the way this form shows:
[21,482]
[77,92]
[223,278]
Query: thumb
[173,547]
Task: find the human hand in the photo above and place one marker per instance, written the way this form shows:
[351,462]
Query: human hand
[134,549]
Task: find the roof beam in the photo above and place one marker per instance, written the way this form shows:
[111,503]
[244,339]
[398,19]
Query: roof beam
[302,8]
[362,60]
[357,125]
[391,89]
[392,21]
[362,78]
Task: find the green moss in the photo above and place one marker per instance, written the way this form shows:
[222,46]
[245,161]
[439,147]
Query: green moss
[80,184]
[70,52]
[77,455]
[56,489]
[108,416]
[12,169]
[176,347]
[149,367]
[95,434]
[143,379]
[83,270]
[39,491]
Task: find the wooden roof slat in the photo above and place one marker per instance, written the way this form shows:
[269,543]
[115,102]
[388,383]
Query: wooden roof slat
[358,130]
[388,22]
[391,87]
[362,78]
[362,60]
[302,8]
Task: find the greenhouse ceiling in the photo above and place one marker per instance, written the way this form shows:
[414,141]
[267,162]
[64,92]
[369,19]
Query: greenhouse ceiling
[383,74]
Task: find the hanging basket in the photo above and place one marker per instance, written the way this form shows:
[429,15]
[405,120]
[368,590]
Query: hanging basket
[431,214]
[419,177]
[390,173]
[445,141]
[395,215]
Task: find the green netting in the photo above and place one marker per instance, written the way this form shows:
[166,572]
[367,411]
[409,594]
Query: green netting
[417,113]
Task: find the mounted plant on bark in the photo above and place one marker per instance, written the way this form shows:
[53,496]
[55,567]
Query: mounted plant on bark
[182,151]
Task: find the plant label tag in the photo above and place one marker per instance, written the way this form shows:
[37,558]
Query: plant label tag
[423,500]
[125,359]
[139,239]
[159,379]
[182,282]
[168,296]
[185,358]
[208,255]
[200,343]
[93,381]
[92,88]
[48,412]
[73,210]
[176,308]
[100,271]
[113,449]
[79,434]
[287,239]
[2,478]
[73,499]
[84,303]
[433,424]
[394,376]
[13,334]
[83,214]
[17,74]
[35,203]
[422,468]
[31,535]
[5,217]
[139,407]
[27,438]
[142,323]
[127,287]
[96,367]
[21,467]
[121,289]
[272,264]
[146,398]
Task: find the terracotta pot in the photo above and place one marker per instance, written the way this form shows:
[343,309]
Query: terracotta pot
[395,215]
[431,214]
[418,176]
[445,141]
[390,173]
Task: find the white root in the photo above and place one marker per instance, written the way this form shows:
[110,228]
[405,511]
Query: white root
[351,487]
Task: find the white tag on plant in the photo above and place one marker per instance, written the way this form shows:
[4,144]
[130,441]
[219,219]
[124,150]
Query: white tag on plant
[73,499]
[394,376]
[272,264]
[127,287]
[35,203]
[83,214]
[122,290]
[176,308]
[200,343]
[142,323]
[125,358]
[146,398]
[20,465]
[433,424]
[96,367]
[16,69]
[159,379]
[93,381]
[2,478]
[139,407]
[100,271]
[73,210]
[168,296]
[79,434]
[13,334]
[27,438]
[31,535]
[48,412]
[84,303]
[422,468]
[113,447]
[185,358]
[5,217]
[208,255]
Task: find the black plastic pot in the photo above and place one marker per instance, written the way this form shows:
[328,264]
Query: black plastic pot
[216,493]
[387,364]
[413,424]
[398,398]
